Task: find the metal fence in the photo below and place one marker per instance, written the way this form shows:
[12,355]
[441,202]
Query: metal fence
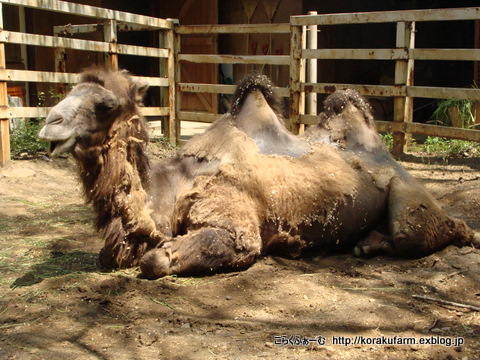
[403,52]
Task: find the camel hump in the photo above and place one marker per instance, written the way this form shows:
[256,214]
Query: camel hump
[251,83]
[336,103]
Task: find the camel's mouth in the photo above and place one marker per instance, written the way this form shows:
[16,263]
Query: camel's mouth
[57,148]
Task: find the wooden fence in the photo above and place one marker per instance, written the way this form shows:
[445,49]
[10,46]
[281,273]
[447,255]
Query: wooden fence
[403,52]
[111,22]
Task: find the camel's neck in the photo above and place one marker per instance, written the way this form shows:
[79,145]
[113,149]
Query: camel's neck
[115,177]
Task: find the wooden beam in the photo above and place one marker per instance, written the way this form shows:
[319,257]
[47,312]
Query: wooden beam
[296,104]
[234,29]
[429,130]
[222,89]
[155,111]
[78,44]
[198,116]
[69,78]
[312,44]
[4,128]
[41,112]
[91,11]
[403,106]
[172,43]
[443,93]
[236,59]
[356,54]
[110,36]
[472,13]
[445,54]
[367,90]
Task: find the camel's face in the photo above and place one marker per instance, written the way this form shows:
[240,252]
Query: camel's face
[85,113]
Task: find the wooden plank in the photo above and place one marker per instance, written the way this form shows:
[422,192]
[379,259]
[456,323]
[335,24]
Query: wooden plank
[296,104]
[445,54]
[68,78]
[172,125]
[443,93]
[153,81]
[403,105]
[4,128]
[472,13]
[429,130]
[78,44]
[110,36]
[236,59]
[395,90]
[155,111]
[90,28]
[235,29]
[197,116]
[312,67]
[309,119]
[367,90]
[42,112]
[91,11]
[356,54]
[77,29]
[142,51]
[23,112]
[221,89]
[37,76]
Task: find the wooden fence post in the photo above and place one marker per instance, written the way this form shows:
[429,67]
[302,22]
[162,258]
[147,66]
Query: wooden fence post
[4,130]
[297,103]
[403,106]
[312,43]
[110,36]
[172,43]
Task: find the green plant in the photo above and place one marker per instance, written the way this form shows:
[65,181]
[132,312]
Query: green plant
[447,109]
[449,147]
[387,139]
[24,139]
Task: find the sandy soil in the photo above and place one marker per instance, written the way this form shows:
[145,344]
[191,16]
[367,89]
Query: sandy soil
[56,303]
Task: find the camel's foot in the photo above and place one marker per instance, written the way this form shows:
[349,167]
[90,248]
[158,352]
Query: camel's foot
[374,243]
[156,264]
[476,240]
[201,251]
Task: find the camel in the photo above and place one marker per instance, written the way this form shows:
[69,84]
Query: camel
[246,187]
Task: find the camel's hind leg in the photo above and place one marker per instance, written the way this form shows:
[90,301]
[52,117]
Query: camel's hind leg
[417,224]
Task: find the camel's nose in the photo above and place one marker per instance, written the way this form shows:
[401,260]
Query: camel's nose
[54,117]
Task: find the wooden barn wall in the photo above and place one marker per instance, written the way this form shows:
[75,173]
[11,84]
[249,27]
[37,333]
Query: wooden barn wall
[233,12]
[195,12]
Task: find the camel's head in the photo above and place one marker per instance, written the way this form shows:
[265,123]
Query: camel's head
[89,110]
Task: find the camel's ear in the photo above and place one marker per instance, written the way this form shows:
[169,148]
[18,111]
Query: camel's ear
[140,89]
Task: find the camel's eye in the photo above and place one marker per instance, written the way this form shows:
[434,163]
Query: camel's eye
[106,102]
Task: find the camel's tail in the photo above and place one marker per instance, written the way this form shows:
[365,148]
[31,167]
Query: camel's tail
[251,83]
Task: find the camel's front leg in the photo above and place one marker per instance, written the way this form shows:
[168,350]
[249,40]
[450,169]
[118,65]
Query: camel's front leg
[201,251]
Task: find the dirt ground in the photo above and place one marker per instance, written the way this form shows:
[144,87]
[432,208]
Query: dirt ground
[56,303]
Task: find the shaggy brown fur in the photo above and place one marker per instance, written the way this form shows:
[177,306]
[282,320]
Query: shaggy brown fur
[245,187]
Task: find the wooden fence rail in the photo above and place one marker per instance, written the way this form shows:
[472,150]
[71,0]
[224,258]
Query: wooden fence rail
[110,22]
